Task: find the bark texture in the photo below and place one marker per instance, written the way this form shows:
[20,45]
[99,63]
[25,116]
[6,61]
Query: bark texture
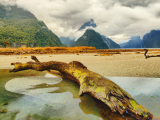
[92,83]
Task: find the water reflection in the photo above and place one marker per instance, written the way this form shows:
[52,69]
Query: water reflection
[88,105]
[48,97]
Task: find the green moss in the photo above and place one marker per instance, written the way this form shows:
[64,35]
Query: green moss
[124,107]
[48,105]
[152,96]
[134,104]
[28,116]
[4,110]
[138,107]
[99,89]
[13,116]
[80,75]
[91,83]
[84,85]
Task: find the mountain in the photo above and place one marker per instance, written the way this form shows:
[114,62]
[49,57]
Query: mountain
[111,44]
[152,39]
[20,27]
[134,42]
[70,41]
[67,40]
[90,23]
[91,38]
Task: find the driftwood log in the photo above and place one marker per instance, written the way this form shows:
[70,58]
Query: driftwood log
[148,56]
[117,99]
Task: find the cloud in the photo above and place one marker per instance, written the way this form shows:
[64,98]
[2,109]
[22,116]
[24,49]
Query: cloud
[118,19]
[130,3]
[134,3]
[8,2]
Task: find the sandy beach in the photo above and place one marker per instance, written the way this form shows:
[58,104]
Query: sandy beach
[125,64]
[39,91]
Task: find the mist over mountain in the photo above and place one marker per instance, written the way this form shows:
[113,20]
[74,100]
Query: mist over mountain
[111,44]
[134,42]
[90,23]
[67,40]
[21,27]
[152,39]
[91,38]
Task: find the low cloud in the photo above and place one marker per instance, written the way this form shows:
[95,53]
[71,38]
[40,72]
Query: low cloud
[130,3]
[117,19]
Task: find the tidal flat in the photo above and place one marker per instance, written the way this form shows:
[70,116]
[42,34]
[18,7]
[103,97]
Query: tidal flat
[33,95]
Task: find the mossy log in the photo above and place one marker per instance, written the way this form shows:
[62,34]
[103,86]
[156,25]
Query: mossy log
[92,83]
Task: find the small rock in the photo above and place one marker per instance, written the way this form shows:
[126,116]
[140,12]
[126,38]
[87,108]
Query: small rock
[16,112]
[5,103]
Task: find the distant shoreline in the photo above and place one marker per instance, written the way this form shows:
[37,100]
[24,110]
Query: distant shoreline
[68,50]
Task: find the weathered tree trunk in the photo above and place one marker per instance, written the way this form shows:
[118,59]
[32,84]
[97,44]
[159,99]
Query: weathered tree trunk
[92,83]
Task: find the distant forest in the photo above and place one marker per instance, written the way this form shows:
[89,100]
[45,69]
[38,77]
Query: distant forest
[20,27]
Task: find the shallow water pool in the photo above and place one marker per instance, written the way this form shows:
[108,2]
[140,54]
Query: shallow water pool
[32,95]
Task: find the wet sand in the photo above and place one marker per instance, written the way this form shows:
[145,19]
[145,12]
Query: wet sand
[118,65]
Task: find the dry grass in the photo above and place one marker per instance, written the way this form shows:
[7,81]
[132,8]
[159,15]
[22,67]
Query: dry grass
[72,50]
[46,50]
[49,48]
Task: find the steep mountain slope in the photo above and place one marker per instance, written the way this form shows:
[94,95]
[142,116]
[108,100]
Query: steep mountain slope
[152,39]
[21,27]
[111,44]
[67,40]
[91,38]
[134,42]
[90,23]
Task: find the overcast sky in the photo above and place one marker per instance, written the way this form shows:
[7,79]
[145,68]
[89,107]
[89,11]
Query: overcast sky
[116,19]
